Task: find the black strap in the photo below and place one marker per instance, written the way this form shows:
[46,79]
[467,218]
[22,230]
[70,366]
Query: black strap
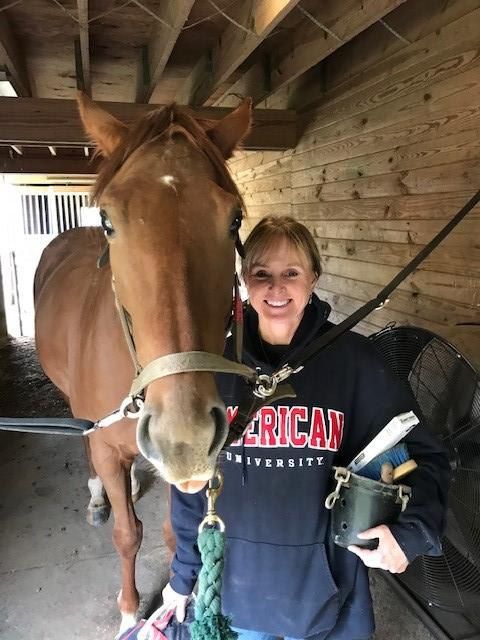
[317,345]
[248,407]
[250,404]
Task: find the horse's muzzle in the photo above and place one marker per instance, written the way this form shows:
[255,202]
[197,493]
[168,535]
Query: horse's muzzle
[182,449]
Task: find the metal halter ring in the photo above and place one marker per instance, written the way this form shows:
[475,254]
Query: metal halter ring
[131,406]
[265,385]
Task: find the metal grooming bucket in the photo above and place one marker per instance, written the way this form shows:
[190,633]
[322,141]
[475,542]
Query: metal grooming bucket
[359,503]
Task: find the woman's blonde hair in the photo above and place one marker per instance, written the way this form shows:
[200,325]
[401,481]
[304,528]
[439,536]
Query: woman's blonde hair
[271,229]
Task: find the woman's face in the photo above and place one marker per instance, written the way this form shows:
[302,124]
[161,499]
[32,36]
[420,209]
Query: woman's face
[280,283]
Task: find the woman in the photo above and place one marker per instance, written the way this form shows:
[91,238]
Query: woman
[283,576]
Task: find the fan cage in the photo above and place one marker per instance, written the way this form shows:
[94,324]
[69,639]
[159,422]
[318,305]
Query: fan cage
[447,389]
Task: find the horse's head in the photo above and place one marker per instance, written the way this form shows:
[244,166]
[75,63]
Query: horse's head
[169,209]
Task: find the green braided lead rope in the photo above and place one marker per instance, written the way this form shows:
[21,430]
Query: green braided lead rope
[210,623]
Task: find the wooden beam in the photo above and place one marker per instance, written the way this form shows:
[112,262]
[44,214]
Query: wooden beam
[331,25]
[48,165]
[234,46]
[11,57]
[47,121]
[82,49]
[172,16]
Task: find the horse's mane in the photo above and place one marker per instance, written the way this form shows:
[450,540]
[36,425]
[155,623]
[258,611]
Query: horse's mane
[165,122]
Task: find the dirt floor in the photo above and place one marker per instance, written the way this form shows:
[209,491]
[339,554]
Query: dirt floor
[58,575]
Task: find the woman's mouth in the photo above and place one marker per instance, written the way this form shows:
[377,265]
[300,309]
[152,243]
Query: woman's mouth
[277,304]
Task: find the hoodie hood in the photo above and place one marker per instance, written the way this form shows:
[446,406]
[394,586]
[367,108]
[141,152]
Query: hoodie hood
[258,353]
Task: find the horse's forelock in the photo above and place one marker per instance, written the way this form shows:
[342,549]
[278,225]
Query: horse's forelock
[166,121]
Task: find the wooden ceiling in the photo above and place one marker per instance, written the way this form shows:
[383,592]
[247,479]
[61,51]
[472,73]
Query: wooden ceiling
[140,53]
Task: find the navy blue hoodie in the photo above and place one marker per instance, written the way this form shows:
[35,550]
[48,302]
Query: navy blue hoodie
[282,573]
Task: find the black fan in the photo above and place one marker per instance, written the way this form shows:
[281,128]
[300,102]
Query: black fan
[447,388]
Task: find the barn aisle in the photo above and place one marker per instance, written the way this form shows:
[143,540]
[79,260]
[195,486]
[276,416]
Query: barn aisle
[58,575]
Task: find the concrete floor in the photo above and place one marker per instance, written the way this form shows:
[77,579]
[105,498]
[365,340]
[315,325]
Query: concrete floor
[58,575]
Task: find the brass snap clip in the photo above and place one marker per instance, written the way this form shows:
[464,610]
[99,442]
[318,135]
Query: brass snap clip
[212,519]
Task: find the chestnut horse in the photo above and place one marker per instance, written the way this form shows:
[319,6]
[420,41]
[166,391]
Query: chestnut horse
[169,210]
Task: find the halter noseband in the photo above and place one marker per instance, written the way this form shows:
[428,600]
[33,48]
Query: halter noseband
[182,362]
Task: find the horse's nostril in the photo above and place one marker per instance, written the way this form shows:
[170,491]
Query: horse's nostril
[144,441]
[220,434]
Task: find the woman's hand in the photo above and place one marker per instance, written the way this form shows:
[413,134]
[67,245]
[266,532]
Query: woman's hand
[173,601]
[388,555]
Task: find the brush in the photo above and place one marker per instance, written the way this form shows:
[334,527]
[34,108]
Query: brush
[388,437]
[389,466]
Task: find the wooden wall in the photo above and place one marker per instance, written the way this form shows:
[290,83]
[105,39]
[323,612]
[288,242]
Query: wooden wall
[3,322]
[389,152]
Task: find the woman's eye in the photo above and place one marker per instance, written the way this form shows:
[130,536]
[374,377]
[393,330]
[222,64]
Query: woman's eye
[106,224]
[260,274]
[292,274]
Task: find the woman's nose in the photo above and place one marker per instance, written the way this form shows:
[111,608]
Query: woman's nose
[276,283]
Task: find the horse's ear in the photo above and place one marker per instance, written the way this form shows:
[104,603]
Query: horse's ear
[102,128]
[229,132]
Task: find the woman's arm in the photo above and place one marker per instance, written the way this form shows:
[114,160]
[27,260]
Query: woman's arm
[187,512]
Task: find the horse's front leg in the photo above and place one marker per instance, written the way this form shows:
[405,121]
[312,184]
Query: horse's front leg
[98,510]
[127,528]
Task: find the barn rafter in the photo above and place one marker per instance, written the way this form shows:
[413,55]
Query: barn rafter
[322,32]
[137,54]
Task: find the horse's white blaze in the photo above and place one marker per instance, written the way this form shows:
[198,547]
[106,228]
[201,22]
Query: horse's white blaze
[169,181]
[97,493]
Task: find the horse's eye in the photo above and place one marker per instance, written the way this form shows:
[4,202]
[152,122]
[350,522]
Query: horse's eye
[236,222]
[106,224]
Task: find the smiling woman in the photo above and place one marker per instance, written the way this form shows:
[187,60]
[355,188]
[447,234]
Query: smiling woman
[283,576]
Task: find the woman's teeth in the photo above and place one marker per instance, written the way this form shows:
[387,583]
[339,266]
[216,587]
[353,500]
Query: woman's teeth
[271,303]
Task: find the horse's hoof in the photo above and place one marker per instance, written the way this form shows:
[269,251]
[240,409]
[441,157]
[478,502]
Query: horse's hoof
[96,516]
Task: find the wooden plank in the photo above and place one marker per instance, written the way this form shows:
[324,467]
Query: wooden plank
[310,44]
[466,236]
[452,287]
[376,54]
[276,182]
[56,122]
[455,113]
[260,211]
[270,198]
[420,207]
[414,303]
[233,48]
[258,161]
[381,317]
[11,56]
[449,258]
[83,68]
[174,14]
[48,165]
[444,179]
[459,85]
[311,168]
[424,86]
[443,34]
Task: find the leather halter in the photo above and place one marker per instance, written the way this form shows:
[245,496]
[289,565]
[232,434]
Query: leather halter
[182,362]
